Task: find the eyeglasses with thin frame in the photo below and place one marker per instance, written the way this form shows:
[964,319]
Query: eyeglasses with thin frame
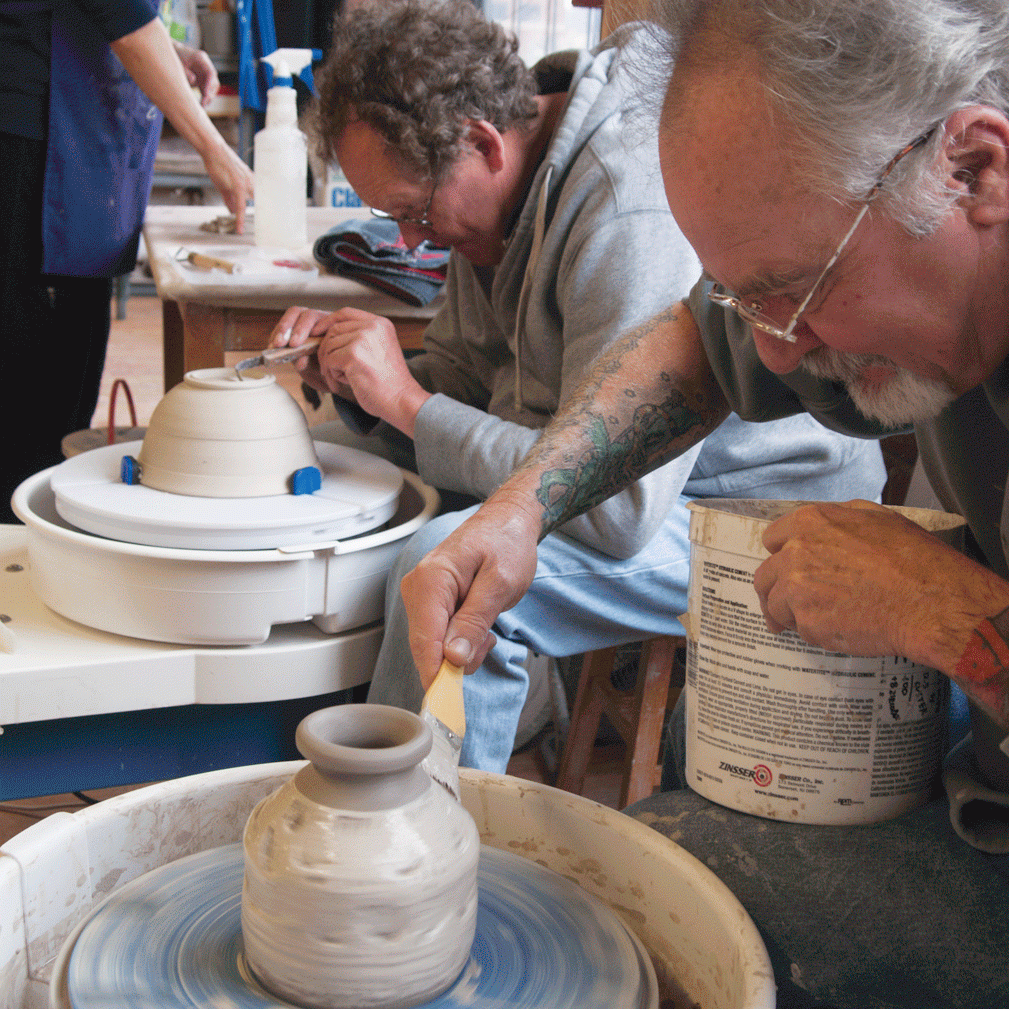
[752,311]
[423,221]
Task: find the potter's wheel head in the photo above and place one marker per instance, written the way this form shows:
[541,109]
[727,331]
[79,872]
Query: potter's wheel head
[358,492]
[173,938]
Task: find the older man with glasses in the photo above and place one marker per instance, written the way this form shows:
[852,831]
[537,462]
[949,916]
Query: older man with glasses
[841,170]
[549,193]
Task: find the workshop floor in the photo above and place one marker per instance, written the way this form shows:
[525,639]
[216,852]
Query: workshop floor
[134,354]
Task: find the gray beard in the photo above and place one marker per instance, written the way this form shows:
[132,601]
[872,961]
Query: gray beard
[905,399]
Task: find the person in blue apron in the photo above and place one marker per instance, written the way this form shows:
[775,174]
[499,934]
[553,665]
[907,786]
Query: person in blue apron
[80,119]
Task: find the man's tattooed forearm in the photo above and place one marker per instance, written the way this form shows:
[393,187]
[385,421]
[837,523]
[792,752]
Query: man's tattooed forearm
[608,364]
[649,417]
[655,433]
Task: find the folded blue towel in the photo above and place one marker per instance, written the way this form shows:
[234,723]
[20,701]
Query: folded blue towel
[373,252]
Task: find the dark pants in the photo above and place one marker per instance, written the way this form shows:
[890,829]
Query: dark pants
[53,330]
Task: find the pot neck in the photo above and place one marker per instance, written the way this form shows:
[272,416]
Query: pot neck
[362,793]
[364,757]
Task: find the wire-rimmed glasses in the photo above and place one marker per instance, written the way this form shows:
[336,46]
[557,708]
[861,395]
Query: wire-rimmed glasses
[752,311]
[418,222]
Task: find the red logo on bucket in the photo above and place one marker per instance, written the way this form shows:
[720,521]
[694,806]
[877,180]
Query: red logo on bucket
[762,775]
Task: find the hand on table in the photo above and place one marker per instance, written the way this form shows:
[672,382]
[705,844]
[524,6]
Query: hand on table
[229,173]
[861,579]
[233,179]
[359,358]
[454,595]
[167,71]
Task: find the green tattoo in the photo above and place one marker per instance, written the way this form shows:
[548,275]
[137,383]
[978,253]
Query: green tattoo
[614,463]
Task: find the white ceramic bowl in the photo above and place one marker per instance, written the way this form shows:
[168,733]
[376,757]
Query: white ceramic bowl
[218,435]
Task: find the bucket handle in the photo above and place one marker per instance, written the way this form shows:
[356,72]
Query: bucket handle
[120,383]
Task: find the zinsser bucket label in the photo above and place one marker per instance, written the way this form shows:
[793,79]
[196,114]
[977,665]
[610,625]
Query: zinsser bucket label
[786,730]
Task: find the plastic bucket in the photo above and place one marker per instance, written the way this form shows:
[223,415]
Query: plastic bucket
[785,730]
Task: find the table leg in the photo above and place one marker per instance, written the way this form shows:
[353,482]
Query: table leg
[195,336]
[410,332]
[206,334]
[172,343]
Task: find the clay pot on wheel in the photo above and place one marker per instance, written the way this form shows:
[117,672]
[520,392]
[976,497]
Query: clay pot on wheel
[360,872]
[217,435]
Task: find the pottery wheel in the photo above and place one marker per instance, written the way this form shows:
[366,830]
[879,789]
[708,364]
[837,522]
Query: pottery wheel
[359,492]
[173,939]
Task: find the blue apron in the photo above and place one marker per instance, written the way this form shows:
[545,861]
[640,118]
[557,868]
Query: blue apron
[103,136]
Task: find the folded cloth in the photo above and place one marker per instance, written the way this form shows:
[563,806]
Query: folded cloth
[979,814]
[373,252]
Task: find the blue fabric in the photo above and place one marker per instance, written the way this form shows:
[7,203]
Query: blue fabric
[103,137]
[373,252]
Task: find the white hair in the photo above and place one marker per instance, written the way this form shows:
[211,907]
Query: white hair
[853,80]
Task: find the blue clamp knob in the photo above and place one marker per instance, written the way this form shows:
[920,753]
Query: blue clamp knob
[130,470]
[306,480]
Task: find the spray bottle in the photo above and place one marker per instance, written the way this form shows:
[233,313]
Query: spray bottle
[280,161]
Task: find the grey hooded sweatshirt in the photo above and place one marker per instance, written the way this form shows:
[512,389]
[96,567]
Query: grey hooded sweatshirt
[510,345]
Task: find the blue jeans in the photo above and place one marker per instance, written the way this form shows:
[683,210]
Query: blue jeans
[579,600]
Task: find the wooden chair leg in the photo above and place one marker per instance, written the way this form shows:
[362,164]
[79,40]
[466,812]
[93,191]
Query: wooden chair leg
[638,715]
[585,716]
[649,706]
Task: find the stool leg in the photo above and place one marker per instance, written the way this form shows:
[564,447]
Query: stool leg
[650,694]
[585,716]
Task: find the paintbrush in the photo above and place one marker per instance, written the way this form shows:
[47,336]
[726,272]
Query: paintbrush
[443,709]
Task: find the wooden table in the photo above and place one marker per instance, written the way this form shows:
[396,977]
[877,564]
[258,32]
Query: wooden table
[201,321]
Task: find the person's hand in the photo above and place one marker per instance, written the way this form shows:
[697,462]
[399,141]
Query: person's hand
[455,593]
[861,579]
[233,179]
[200,71]
[359,358]
[232,176]
[294,328]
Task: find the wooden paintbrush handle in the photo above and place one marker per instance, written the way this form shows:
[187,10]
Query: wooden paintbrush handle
[205,262]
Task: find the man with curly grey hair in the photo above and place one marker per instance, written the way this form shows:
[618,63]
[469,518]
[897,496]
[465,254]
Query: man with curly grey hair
[561,240]
[841,169]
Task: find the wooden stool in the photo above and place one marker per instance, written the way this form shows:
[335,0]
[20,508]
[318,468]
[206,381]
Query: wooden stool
[637,714]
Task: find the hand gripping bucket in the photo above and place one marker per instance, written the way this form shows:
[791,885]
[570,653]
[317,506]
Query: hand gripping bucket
[785,730]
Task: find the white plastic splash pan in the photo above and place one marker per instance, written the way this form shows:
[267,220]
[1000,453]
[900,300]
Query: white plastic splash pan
[782,729]
[211,597]
[54,873]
